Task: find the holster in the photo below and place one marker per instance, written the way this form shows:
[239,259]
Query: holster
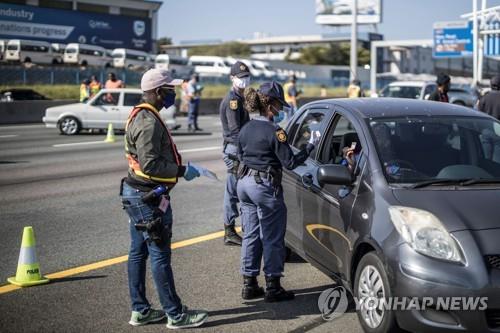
[156,230]
[236,164]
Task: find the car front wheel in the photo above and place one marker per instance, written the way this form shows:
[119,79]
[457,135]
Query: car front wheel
[371,287]
[69,126]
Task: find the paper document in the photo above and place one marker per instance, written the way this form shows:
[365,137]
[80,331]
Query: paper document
[205,172]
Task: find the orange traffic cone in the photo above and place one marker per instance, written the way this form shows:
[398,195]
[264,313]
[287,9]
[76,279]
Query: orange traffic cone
[110,137]
[28,269]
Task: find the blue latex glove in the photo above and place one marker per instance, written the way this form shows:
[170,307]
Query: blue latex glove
[190,173]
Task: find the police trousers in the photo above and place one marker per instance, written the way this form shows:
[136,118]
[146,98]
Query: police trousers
[263,217]
[230,206]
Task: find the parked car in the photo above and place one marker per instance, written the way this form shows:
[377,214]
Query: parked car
[131,59]
[30,51]
[10,95]
[416,217]
[209,66]
[86,55]
[108,106]
[178,66]
[422,89]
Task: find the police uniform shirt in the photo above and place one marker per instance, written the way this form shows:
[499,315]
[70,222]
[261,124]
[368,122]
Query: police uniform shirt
[263,143]
[490,104]
[233,116]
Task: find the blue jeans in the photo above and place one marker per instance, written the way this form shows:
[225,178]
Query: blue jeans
[194,106]
[230,206]
[263,217]
[140,248]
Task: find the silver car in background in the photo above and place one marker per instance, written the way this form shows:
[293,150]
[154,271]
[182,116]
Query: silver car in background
[459,95]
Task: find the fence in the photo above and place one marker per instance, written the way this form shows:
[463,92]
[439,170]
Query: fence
[20,75]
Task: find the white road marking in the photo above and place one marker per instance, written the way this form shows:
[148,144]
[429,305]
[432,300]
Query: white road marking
[8,136]
[200,149]
[78,143]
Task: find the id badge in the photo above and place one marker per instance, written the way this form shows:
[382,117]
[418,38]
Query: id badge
[164,203]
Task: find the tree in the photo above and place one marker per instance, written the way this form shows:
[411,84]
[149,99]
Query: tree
[334,54]
[234,49]
[163,41]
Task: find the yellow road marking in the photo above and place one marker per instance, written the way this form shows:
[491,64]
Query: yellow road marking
[118,260]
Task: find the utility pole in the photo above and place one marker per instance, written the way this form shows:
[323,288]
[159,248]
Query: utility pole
[475,38]
[482,40]
[354,41]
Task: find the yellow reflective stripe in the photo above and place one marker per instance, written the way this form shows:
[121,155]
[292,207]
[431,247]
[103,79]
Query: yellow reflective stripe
[147,106]
[158,179]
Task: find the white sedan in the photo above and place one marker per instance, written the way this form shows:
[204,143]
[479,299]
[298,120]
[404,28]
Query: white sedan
[109,106]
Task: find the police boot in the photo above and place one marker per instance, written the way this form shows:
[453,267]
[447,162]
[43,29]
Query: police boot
[251,288]
[275,292]
[231,237]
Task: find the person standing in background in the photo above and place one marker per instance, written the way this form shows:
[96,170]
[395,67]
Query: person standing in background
[113,82]
[441,93]
[291,95]
[490,103]
[354,90]
[84,91]
[194,95]
[94,86]
[233,116]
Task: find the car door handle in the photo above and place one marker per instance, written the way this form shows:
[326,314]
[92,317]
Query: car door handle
[307,180]
[115,109]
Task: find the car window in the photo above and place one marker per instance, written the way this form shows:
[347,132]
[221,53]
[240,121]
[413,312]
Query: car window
[312,120]
[415,149]
[429,89]
[340,138]
[401,92]
[106,99]
[132,99]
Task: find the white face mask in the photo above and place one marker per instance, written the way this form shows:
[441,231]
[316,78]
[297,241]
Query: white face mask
[241,83]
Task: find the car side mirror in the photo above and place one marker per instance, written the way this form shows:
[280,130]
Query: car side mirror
[334,174]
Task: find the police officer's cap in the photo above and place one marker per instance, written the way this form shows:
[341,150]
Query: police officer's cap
[495,82]
[274,90]
[240,69]
[442,79]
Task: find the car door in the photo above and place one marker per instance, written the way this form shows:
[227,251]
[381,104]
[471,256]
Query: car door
[130,99]
[327,240]
[103,110]
[299,199]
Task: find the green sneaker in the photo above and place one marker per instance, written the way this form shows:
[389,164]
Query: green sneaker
[152,316]
[189,319]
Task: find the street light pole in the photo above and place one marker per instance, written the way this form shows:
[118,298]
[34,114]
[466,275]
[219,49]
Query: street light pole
[475,37]
[354,40]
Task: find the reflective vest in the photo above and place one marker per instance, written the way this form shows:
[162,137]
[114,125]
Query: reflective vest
[133,162]
[84,92]
[94,88]
[288,98]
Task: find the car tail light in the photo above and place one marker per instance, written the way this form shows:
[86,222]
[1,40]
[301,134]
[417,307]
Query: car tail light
[493,261]
[493,318]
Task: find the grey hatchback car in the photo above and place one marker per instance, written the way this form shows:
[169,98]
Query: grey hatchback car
[416,216]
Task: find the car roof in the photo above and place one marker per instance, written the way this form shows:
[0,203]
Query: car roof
[127,90]
[410,83]
[396,107]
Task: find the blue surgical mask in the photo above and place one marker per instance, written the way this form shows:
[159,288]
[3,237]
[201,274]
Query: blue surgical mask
[279,117]
[169,100]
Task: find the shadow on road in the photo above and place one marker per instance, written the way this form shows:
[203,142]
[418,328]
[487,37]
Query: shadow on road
[305,303]
[77,278]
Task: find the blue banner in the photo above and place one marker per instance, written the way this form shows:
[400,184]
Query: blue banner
[67,26]
[452,39]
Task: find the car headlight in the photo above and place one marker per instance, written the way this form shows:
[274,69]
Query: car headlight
[425,233]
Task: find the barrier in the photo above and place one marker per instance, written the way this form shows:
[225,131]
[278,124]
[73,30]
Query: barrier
[25,112]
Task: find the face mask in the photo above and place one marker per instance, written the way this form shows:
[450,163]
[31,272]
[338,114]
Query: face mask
[279,117]
[169,100]
[241,83]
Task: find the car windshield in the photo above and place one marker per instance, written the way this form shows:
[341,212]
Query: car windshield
[12,47]
[401,92]
[70,51]
[423,149]
[118,55]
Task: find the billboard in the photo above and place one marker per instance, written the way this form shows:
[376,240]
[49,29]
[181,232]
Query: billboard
[66,26]
[452,39]
[339,12]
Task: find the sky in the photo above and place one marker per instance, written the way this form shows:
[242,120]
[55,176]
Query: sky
[236,19]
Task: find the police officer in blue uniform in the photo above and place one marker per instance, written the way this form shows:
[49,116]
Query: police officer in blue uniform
[233,116]
[264,151]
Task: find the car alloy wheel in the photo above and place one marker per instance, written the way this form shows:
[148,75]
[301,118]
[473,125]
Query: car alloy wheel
[69,126]
[371,290]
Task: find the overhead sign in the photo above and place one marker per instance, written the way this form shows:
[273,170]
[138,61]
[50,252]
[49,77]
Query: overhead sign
[67,26]
[339,12]
[452,39]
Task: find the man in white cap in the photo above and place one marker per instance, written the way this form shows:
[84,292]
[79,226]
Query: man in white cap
[154,168]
